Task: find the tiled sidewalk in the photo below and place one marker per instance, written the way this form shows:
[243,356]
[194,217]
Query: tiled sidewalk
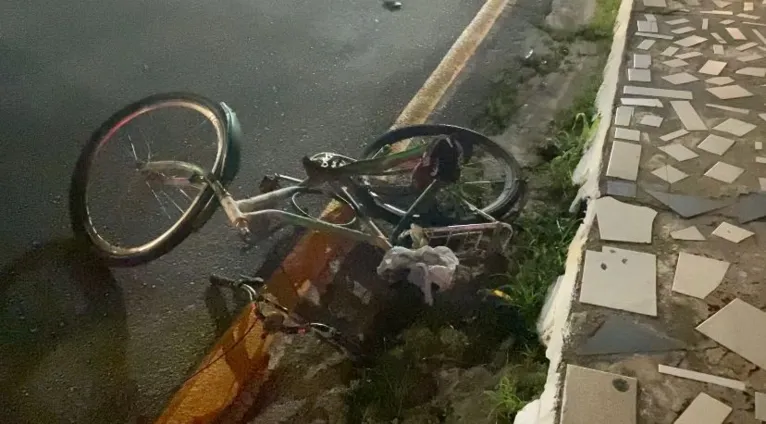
[669,327]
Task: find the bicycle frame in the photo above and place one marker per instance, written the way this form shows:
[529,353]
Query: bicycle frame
[241,212]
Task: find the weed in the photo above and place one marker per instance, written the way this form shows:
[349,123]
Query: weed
[519,385]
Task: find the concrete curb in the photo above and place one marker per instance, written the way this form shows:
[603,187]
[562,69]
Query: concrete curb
[241,355]
[553,324]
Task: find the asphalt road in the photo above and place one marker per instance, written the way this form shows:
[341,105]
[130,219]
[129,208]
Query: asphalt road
[82,344]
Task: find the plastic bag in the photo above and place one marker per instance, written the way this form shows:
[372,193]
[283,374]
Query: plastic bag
[426,265]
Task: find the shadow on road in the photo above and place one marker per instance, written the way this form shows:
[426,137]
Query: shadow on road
[63,339]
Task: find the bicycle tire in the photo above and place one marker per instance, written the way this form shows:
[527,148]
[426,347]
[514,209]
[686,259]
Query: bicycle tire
[505,202]
[224,169]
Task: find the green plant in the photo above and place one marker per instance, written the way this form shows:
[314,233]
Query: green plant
[520,384]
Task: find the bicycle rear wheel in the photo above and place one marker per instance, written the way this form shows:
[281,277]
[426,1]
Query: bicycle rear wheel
[491,178]
[177,200]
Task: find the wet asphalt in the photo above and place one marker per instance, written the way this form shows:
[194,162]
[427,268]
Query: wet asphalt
[84,344]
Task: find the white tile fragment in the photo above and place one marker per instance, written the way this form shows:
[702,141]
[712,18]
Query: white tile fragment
[652,121]
[675,63]
[758,145]
[745,46]
[750,57]
[762,116]
[717,49]
[759,35]
[624,160]
[721,4]
[584,387]
[748,6]
[657,92]
[689,55]
[731,232]
[752,71]
[627,134]
[741,327]
[717,12]
[727,21]
[654,35]
[704,409]
[650,17]
[712,67]
[678,151]
[678,21]
[735,126]
[705,23]
[680,78]
[748,16]
[729,92]
[691,40]
[718,38]
[639,75]
[646,44]
[705,378]
[715,144]
[728,108]
[669,174]
[642,61]
[674,135]
[620,279]
[623,115]
[760,406]
[698,276]
[688,116]
[760,159]
[724,172]
[688,234]
[647,26]
[655,3]
[611,215]
[719,80]
[683,30]
[735,33]
[762,183]
[670,51]
[637,101]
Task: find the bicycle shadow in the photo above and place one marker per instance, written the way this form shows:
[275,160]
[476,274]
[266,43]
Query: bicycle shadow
[63,338]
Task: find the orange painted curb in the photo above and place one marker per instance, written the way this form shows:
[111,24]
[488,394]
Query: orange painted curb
[243,351]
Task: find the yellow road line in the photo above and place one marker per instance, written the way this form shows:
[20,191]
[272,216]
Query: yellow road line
[219,379]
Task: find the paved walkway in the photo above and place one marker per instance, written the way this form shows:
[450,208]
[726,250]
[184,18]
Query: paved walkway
[668,323]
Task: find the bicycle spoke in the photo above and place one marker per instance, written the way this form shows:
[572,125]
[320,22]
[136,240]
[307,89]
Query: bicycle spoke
[180,209]
[158,199]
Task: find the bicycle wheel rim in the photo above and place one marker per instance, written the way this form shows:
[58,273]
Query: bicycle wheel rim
[107,133]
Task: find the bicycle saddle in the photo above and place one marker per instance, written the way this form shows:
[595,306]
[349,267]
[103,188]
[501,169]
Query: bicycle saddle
[440,162]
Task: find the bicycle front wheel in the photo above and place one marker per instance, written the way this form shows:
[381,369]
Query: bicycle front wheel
[125,206]
[490,180]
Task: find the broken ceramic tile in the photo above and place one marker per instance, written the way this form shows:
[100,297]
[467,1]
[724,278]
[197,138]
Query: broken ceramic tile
[689,117]
[654,35]
[635,101]
[705,378]
[724,172]
[647,26]
[651,121]
[620,279]
[735,126]
[657,92]
[680,78]
[731,232]
[646,44]
[691,40]
[736,34]
[688,233]
[748,6]
[729,92]
[728,108]
[620,188]
[749,338]
[677,21]
[670,51]
[611,215]
[623,115]
[712,67]
[687,206]
[674,135]
[624,160]
[675,63]
[678,152]
[718,38]
[642,61]
[762,116]
[745,46]
[640,75]
[748,16]
[719,80]
[721,4]
[760,159]
[760,406]
[727,21]
[705,23]
[584,388]
[655,3]
[762,183]
[650,17]
[627,134]
[750,207]
[698,276]
[717,49]
[682,30]
[715,144]
[704,409]
[758,145]
[620,335]
[752,71]
[759,35]
[689,55]
[717,12]
[669,174]
[749,58]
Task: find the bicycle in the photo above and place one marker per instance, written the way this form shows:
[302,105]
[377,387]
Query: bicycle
[428,170]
